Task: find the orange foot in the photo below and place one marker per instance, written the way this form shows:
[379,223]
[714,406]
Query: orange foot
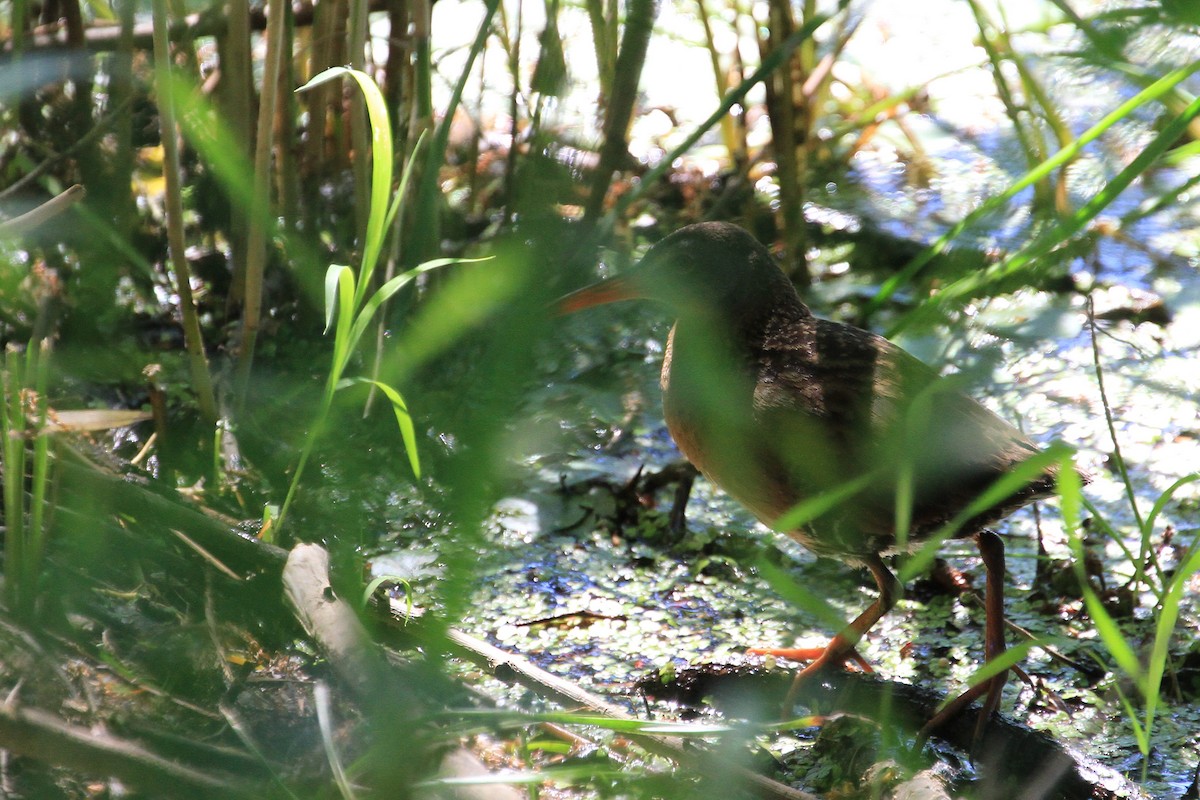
[809,654]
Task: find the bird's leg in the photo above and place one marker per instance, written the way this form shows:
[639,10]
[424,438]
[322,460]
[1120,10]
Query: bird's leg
[683,489]
[991,548]
[841,647]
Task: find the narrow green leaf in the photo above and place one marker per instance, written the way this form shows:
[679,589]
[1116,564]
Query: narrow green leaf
[405,178]
[1004,487]
[1165,628]
[343,343]
[1070,490]
[966,285]
[1166,496]
[425,226]
[323,77]
[408,431]
[382,579]
[805,512]
[1006,660]
[382,156]
[1140,734]
[333,276]
[797,595]
[394,285]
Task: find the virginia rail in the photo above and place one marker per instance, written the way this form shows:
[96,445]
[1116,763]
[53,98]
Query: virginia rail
[776,406]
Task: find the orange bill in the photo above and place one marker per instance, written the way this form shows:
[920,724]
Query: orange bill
[606,291]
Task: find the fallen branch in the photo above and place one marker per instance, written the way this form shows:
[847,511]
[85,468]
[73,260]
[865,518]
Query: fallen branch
[132,495]
[360,665]
[43,736]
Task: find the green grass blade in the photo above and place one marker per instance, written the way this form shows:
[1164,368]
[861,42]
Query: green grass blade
[405,179]
[1164,628]
[397,283]
[905,276]
[425,226]
[808,510]
[343,342]
[37,364]
[1166,496]
[403,419]
[382,155]
[1007,485]
[798,596]
[333,279]
[1006,660]
[1070,491]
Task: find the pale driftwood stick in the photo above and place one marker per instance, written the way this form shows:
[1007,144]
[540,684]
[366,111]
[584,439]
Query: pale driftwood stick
[31,219]
[360,664]
[514,668]
[331,621]
[43,736]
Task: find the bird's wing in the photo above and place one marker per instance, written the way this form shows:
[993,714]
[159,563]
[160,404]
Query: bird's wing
[850,403]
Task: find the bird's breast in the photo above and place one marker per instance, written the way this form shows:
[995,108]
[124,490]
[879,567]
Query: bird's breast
[708,405]
[767,456]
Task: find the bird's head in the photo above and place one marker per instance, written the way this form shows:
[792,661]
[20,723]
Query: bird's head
[710,269]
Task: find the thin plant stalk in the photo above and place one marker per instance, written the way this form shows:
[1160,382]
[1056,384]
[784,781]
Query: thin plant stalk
[287,183]
[193,339]
[603,18]
[25,453]
[18,21]
[12,426]
[1048,109]
[425,224]
[356,43]
[1030,140]
[256,250]
[514,110]
[639,23]
[422,42]
[317,102]
[728,133]
[235,98]
[1118,459]
[783,114]
[1146,678]
[36,362]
